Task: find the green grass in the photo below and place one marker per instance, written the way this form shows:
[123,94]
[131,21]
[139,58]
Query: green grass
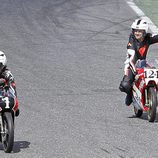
[150,8]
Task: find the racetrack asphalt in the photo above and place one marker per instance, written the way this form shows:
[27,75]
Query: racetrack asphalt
[67,58]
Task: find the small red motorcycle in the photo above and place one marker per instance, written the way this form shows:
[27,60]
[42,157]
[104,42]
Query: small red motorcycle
[145,89]
[8,106]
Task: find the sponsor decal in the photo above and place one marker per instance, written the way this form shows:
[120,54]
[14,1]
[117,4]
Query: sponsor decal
[142,50]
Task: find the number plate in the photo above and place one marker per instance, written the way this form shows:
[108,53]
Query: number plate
[151,73]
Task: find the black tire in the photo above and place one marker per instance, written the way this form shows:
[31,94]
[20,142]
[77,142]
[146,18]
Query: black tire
[8,135]
[137,112]
[152,100]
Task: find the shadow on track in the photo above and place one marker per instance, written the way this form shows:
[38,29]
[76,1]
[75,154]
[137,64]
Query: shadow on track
[18,145]
[145,117]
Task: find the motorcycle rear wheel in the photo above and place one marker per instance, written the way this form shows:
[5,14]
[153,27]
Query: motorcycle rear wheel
[152,100]
[137,112]
[8,135]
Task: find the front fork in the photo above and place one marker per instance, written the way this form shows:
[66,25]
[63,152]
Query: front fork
[146,98]
[1,124]
[1,128]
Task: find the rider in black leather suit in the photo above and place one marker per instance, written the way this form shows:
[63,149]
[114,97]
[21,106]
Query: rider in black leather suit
[137,47]
[6,77]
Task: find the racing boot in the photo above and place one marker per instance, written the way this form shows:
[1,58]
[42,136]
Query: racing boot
[17,112]
[128,99]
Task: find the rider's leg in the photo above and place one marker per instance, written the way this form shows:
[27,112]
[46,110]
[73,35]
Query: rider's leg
[126,86]
[17,111]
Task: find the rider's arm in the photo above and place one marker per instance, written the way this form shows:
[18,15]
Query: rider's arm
[153,39]
[129,63]
[8,76]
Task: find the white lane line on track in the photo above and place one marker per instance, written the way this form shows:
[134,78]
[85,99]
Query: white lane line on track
[141,14]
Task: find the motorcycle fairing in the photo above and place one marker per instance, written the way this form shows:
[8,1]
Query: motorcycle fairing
[137,97]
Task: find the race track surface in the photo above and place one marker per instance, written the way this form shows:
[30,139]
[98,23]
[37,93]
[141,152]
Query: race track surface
[67,58]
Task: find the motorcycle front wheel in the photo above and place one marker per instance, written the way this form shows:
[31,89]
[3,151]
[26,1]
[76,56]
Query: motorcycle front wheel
[152,100]
[8,134]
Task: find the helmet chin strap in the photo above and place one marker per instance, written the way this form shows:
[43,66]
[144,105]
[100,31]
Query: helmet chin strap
[144,34]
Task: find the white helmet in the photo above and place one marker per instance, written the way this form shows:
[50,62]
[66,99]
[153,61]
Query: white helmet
[140,24]
[3,60]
